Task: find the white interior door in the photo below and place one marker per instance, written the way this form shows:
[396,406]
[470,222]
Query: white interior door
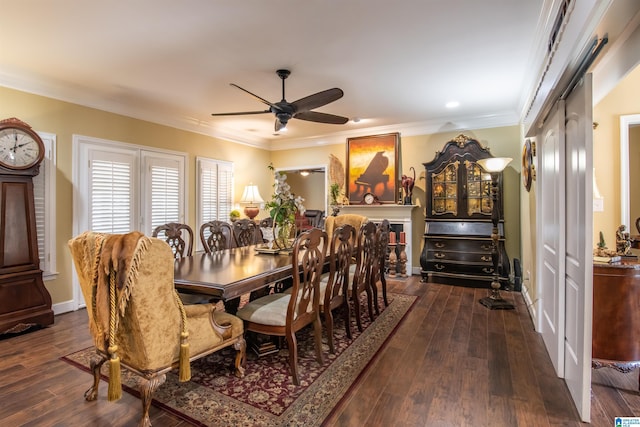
[578,258]
[551,226]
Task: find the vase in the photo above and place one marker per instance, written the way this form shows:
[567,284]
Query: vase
[283,234]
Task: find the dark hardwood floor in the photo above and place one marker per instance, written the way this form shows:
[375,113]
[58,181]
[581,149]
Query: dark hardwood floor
[452,362]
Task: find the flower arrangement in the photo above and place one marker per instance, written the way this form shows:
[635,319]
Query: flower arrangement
[282,208]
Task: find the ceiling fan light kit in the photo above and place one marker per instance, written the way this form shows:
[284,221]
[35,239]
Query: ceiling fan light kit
[300,109]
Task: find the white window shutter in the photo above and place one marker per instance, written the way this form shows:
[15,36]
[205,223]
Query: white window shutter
[164,192]
[214,190]
[111,194]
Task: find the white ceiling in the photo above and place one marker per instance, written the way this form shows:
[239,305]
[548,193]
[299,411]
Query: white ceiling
[170,62]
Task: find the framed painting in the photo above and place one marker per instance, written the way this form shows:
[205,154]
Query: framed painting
[372,169]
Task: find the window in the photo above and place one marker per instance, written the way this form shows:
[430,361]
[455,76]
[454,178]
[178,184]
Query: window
[214,191]
[164,179]
[44,191]
[122,187]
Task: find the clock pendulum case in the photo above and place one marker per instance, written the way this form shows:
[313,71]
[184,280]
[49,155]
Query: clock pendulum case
[24,300]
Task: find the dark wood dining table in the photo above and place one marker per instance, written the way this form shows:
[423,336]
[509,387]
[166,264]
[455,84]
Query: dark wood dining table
[231,273]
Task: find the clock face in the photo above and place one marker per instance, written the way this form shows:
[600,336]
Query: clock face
[18,148]
[369,198]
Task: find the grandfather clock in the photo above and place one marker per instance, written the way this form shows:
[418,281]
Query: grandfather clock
[24,300]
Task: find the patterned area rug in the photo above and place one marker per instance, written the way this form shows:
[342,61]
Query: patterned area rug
[266,396]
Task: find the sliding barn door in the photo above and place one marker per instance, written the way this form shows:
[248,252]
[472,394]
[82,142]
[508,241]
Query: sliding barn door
[578,243]
[551,205]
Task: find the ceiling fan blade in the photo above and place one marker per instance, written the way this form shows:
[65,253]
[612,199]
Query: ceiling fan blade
[314,116]
[317,99]
[264,101]
[240,113]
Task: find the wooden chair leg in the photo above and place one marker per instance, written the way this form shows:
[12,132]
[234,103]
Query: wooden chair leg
[241,347]
[147,387]
[293,357]
[95,363]
[317,326]
[374,292]
[328,320]
[369,291]
[383,281]
[347,317]
[356,309]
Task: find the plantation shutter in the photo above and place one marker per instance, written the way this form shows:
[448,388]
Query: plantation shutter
[225,190]
[39,199]
[215,190]
[111,193]
[164,190]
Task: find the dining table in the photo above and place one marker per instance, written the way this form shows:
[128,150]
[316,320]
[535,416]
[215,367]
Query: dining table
[228,274]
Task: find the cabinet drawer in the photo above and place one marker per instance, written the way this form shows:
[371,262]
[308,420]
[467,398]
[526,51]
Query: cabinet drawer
[473,257]
[459,268]
[466,245]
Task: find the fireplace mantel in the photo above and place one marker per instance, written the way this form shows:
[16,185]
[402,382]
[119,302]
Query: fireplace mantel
[395,214]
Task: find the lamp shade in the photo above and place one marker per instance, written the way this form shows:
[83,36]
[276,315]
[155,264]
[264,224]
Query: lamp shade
[251,195]
[494,164]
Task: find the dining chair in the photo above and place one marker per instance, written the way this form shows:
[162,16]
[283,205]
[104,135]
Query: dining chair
[379,264]
[365,254]
[283,314]
[335,285]
[216,236]
[246,232]
[179,237]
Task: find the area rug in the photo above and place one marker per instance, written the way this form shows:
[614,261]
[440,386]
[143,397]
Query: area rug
[266,396]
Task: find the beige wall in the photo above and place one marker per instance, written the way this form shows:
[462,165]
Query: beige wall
[310,187]
[606,153]
[415,150]
[65,119]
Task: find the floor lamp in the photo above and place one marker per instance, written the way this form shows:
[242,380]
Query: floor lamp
[251,197]
[495,166]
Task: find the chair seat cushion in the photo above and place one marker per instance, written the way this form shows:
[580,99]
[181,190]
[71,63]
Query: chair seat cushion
[268,310]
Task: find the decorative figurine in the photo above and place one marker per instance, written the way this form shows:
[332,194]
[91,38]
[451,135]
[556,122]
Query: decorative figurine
[408,183]
[623,240]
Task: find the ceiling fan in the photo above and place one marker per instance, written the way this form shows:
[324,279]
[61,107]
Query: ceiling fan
[300,109]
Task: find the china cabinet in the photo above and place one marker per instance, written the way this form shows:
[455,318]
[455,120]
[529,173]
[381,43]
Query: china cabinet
[457,237]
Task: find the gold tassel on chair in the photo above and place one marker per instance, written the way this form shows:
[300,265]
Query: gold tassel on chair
[115,386]
[185,366]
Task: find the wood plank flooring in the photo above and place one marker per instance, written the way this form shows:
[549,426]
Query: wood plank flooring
[452,362]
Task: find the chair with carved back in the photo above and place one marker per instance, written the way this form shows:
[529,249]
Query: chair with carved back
[379,263]
[283,314]
[216,236]
[335,285]
[179,237]
[365,254]
[136,318]
[246,232]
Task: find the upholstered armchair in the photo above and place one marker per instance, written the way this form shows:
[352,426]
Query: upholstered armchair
[354,220]
[137,319]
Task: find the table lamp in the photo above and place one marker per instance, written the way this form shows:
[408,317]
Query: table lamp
[495,166]
[251,197]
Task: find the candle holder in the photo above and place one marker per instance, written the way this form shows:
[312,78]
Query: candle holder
[495,166]
[393,260]
[402,259]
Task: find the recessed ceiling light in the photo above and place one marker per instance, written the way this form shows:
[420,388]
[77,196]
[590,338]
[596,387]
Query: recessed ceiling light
[452,104]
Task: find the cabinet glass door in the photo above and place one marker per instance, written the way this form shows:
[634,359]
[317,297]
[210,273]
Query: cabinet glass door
[478,190]
[445,190]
